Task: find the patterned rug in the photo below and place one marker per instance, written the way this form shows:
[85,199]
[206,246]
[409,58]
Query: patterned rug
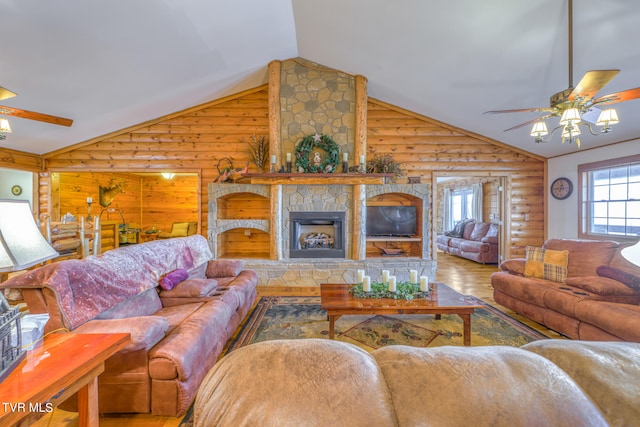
[301,317]
[276,318]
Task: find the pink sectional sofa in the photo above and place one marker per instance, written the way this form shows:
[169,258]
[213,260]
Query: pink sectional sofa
[477,242]
[176,335]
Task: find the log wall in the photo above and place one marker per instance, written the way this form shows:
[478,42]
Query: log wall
[196,140]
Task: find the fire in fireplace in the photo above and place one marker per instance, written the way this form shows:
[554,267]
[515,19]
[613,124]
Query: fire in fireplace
[317,235]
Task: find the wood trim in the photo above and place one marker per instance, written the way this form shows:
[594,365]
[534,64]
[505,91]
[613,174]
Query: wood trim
[360,146]
[275,68]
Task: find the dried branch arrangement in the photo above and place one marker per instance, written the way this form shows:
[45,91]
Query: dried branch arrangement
[259,150]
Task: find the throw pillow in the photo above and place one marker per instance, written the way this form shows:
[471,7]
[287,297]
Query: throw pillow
[171,279]
[224,268]
[179,229]
[546,264]
[628,279]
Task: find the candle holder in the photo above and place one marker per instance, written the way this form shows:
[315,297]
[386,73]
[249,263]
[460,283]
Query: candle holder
[345,167]
[273,168]
[363,168]
[288,166]
[89,217]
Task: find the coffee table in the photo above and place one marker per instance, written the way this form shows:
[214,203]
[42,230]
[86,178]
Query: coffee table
[337,301]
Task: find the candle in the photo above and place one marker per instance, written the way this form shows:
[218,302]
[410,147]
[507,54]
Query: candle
[361,158]
[288,157]
[385,276]
[424,283]
[273,159]
[89,200]
[392,283]
[345,157]
[366,284]
[413,276]
[360,275]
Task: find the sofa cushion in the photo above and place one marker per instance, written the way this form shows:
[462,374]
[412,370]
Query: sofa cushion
[603,370]
[584,255]
[224,268]
[458,229]
[479,230]
[468,229]
[145,331]
[180,229]
[143,304]
[622,276]
[546,264]
[171,279]
[492,234]
[514,266]
[600,285]
[191,288]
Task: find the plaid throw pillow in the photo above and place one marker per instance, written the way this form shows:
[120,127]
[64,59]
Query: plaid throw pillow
[546,264]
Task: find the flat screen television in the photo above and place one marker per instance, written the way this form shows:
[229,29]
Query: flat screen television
[395,221]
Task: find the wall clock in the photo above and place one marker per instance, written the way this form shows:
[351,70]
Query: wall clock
[561,188]
[16,190]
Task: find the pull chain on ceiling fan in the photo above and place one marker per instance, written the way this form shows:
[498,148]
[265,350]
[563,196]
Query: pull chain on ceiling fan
[572,103]
[24,114]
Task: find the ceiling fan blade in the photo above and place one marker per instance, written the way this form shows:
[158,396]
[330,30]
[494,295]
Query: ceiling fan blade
[521,110]
[613,98]
[31,115]
[592,82]
[529,122]
[6,93]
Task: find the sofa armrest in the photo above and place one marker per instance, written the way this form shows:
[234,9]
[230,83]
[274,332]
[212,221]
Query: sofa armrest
[602,286]
[489,239]
[514,266]
[145,331]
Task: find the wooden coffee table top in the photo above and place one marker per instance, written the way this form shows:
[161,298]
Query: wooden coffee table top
[443,299]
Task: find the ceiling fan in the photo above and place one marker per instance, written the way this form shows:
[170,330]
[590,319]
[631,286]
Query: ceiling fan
[573,103]
[24,114]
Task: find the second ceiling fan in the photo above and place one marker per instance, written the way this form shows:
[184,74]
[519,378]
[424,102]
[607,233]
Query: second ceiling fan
[572,103]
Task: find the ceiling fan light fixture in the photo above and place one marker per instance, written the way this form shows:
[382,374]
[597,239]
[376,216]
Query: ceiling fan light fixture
[168,175]
[607,118]
[569,134]
[4,128]
[570,116]
[539,130]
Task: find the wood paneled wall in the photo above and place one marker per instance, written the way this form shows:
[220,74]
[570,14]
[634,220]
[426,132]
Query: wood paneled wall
[14,159]
[196,139]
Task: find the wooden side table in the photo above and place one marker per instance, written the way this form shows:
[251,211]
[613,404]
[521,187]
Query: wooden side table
[52,372]
[147,237]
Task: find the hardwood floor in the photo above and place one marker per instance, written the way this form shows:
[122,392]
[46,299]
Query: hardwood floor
[467,277]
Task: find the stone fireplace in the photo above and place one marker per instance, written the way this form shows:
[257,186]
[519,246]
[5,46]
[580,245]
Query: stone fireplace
[316,235]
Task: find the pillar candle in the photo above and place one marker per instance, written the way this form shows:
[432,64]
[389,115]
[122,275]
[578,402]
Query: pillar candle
[288,157]
[366,284]
[360,275]
[362,158]
[345,157]
[413,276]
[273,159]
[89,200]
[392,283]
[424,283]
[385,276]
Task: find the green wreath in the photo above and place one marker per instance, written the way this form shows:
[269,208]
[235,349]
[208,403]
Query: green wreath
[307,145]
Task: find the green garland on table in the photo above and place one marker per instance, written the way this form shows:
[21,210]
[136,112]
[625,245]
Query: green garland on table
[404,290]
[307,145]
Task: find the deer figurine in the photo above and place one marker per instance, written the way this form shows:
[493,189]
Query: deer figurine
[107,194]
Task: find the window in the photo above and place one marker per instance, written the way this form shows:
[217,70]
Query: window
[610,199]
[461,204]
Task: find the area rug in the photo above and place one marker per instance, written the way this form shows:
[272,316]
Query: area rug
[276,318]
[302,317]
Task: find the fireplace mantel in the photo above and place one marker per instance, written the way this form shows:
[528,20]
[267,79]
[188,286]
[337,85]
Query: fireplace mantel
[319,178]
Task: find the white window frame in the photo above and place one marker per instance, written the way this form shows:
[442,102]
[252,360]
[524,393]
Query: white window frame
[587,206]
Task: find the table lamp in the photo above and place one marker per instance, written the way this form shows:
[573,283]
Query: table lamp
[21,246]
[632,254]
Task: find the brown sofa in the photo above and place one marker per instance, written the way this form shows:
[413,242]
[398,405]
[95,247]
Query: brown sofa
[318,382]
[598,301]
[478,241]
[176,335]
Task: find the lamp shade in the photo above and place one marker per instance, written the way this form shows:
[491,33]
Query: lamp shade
[570,116]
[570,131]
[607,117]
[21,243]
[539,129]
[632,254]
[4,126]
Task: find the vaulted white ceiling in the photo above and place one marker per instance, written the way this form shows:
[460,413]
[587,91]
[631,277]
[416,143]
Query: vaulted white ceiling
[111,65]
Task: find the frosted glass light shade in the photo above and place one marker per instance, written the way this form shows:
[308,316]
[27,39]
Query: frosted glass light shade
[539,129]
[607,117]
[4,126]
[570,116]
[21,243]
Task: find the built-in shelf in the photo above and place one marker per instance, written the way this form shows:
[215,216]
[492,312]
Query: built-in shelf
[319,178]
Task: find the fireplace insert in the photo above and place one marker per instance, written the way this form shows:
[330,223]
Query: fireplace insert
[317,235]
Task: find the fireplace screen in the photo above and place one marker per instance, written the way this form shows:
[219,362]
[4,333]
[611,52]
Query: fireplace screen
[317,235]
